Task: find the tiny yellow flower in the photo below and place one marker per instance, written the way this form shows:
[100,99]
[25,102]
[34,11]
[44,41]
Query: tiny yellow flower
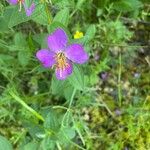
[78,35]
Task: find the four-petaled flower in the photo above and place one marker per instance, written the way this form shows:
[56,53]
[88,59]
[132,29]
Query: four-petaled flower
[60,55]
[28,10]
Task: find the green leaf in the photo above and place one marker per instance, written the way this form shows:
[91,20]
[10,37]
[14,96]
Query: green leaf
[35,130]
[5,144]
[30,146]
[40,39]
[23,57]
[80,4]
[43,17]
[69,132]
[47,144]
[65,135]
[5,57]
[4,19]
[62,16]
[90,33]
[77,78]
[63,3]
[51,121]
[68,92]
[20,40]
[57,86]
[127,5]
[20,43]
[17,17]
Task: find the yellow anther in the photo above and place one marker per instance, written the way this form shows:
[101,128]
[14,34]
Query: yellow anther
[61,61]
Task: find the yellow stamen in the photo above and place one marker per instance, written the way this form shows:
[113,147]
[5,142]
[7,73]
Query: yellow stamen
[61,62]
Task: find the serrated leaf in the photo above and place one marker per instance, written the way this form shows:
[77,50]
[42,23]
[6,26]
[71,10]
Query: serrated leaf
[43,17]
[52,122]
[62,16]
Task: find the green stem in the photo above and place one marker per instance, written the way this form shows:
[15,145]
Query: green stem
[19,100]
[58,146]
[72,97]
[119,79]
[70,104]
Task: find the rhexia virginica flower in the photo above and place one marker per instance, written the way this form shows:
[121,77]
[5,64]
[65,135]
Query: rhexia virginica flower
[60,55]
[28,10]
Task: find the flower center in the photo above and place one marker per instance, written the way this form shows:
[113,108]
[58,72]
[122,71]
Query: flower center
[61,61]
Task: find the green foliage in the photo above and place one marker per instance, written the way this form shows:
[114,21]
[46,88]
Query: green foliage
[62,16]
[77,78]
[5,144]
[128,5]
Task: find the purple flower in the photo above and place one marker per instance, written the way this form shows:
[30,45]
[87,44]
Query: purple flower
[118,112]
[104,75]
[60,55]
[13,2]
[28,10]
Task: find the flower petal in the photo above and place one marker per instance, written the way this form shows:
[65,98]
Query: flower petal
[46,57]
[13,2]
[29,10]
[76,53]
[57,41]
[63,74]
